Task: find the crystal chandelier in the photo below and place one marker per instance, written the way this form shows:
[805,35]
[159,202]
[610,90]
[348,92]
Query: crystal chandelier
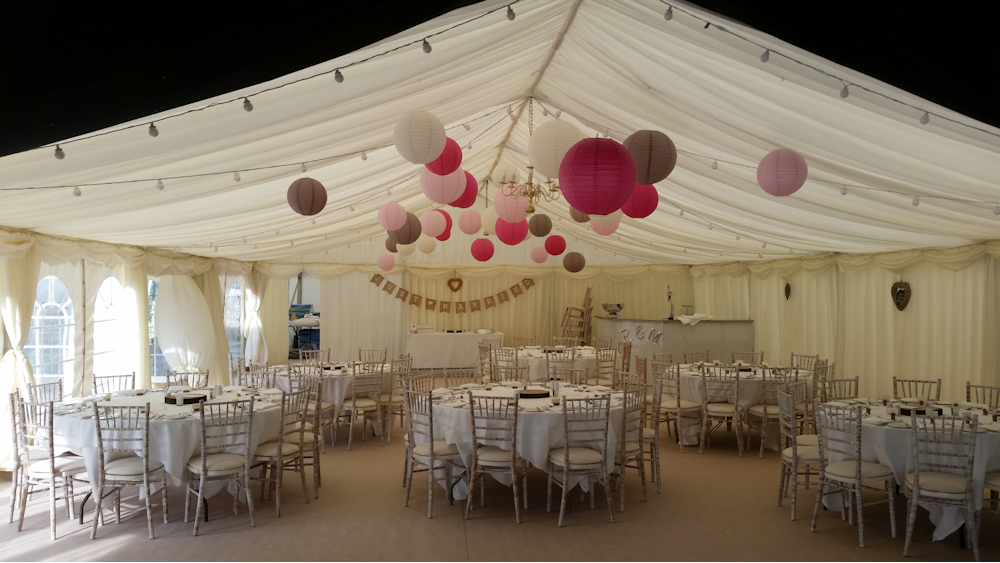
[534,192]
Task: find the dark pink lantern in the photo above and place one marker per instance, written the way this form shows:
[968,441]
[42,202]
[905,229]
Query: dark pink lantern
[782,172]
[555,245]
[511,233]
[447,219]
[482,249]
[642,203]
[468,197]
[444,236]
[597,176]
[449,161]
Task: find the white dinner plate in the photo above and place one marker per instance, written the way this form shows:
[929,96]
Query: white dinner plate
[898,424]
[965,405]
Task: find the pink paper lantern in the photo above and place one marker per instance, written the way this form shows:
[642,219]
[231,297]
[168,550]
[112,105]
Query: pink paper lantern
[386,262]
[391,216]
[469,222]
[511,209]
[444,236]
[555,245]
[468,197]
[432,223]
[511,233]
[604,230]
[442,189]
[482,249]
[539,255]
[447,218]
[449,161]
[782,172]
[643,202]
[597,176]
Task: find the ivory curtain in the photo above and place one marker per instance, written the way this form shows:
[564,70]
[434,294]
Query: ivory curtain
[274,319]
[255,286]
[218,366]
[18,280]
[184,325]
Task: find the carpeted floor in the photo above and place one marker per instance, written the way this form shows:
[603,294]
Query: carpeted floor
[714,506]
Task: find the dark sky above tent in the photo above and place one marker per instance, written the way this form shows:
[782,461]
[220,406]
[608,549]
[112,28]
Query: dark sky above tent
[70,68]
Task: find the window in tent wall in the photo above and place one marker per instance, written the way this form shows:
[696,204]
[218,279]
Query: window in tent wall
[50,346]
[157,365]
[234,319]
[109,329]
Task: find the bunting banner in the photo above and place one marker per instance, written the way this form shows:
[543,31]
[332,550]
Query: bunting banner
[515,290]
[471,306]
[502,297]
[377,279]
[430,304]
[445,306]
[415,299]
[489,302]
[460,306]
[474,305]
[402,294]
[389,287]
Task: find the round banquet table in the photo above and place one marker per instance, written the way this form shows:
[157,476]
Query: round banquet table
[751,392]
[533,357]
[539,426]
[174,431]
[891,447]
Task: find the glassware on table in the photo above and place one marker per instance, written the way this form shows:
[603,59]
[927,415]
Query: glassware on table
[489,385]
[556,400]
[893,411]
[885,400]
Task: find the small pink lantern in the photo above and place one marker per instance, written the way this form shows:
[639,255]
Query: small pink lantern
[449,161]
[468,197]
[447,218]
[643,202]
[432,223]
[391,216]
[469,222]
[604,230]
[597,176]
[511,209]
[782,172]
[539,255]
[442,189]
[555,245]
[482,249]
[511,233]
[386,262]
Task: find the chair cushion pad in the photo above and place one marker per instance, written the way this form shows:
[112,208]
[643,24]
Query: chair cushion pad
[939,485]
[360,403]
[442,450]
[579,458]
[270,449]
[721,408]
[807,440]
[845,471]
[387,398]
[807,454]
[128,468]
[771,411]
[65,465]
[992,480]
[493,455]
[218,464]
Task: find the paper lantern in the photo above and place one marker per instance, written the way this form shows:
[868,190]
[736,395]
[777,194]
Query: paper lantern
[511,233]
[449,161]
[432,223]
[490,217]
[390,245]
[442,189]
[386,262]
[469,222]
[578,216]
[482,249]
[606,220]
[306,196]
[597,176]
[468,197]
[549,144]
[447,219]
[409,232]
[511,209]
[539,255]
[555,245]
[540,225]
[654,155]
[574,262]
[782,172]
[642,203]
[426,244]
[391,216]
[444,236]
[406,249]
[419,137]
[604,230]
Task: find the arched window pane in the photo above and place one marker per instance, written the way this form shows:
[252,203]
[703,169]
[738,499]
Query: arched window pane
[157,365]
[50,340]
[233,319]
[108,329]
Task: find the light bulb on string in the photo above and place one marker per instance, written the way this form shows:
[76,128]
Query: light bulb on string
[291,243]
[715,164]
[765,56]
[916,201]
[388,191]
[468,147]
[244,240]
[681,213]
[215,248]
[790,251]
[925,118]
[247,106]
[467,127]
[303,168]
[77,192]
[313,220]
[236,176]
[364,155]
[427,46]
[352,209]
[996,209]
[277,231]
[843,191]
[159,185]
[510,13]
[59,153]
[845,92]
[738,236]
[669,14]
[153,131]
[763,245]
[760,256]
[685,250]
[711,226]
[255,247]
[558,113]
[338,76]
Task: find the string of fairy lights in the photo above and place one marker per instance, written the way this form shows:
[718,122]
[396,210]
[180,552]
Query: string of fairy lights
[160,183]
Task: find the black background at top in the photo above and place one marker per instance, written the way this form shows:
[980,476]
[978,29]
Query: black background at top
[70,68]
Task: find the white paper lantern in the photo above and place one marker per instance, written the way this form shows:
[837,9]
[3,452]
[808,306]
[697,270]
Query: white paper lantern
[549,144]
[489,218]
[604,230]
[443,189]
[426,244]
[607,220]
[419,137]
[406,249]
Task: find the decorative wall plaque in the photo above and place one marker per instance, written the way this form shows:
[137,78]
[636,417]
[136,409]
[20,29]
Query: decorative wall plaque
[788,290]
[455,284]
[901,294]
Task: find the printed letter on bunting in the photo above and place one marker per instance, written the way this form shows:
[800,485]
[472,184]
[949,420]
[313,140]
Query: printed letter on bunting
[446,306]
[474,305]
[377,279]
[402,295]
[415,299]
[460,306]
[389,287]
[515,290]
[528,282]
[502,297]
[489,302]
[430,304]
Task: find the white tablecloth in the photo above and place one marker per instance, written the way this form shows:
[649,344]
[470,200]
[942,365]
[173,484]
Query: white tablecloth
[537,432]
[446,349]
[891,447]
[534,360]
[171,441]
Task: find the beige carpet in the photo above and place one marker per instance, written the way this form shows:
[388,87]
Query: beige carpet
[714,506]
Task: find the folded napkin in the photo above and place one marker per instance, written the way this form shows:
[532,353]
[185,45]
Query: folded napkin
[694,319]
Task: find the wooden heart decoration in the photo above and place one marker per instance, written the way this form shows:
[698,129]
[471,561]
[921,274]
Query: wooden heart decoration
[455,284]
[788,290]
[901,294]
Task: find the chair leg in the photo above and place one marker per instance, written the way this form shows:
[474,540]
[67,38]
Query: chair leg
[819,500]
[548,495]
[781,484]
[350,431]
[911,507]
[97,508]
[890,487]
[149,510]
[517,493]
[15,485]
[52,506]
[861,514]
[565,493]
[793,477]
[408,480]
[430,488]
[197,507]
[472,489]
[163,501]
[607,494]
[246,486]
